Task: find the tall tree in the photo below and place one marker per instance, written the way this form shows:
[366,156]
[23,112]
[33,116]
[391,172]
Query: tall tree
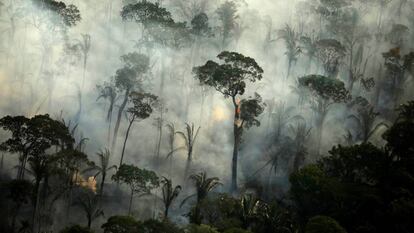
[31,137]
[140,181]
[108,92]
[291,39]
[127,79]
[229,78]
[203,186]
[89,203]
[190,137]
[227,13]
[325,92]
[142,107]
[330,52]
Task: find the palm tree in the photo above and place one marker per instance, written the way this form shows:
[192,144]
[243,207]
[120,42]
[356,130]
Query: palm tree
[90,205]
[108,92]
[203,186]
[190,138]
[169,194]
[290,37]
[103,168]
[366,122]
[300,133]
[249,206]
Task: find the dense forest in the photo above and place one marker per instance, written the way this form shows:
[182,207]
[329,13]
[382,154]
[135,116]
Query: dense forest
[206,116]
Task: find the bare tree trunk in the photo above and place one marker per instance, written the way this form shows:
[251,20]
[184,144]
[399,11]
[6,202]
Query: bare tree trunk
[118,120]
[130,202]
[125,141]
[102,183]
[236,134]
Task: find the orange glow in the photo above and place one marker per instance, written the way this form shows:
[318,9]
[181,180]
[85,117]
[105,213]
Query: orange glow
[220,114]
[90,183]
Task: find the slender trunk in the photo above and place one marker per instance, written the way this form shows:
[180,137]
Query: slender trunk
[102,184]
[320,133]
[236,134]
[89,222]
[289,68]
[125,141]
[188,163]
[35,203]
[160,131]
[118,120]
[167,207]
[130,202]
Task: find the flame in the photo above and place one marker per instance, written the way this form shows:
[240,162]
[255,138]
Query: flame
[89,183]
[238,110]
[238,121]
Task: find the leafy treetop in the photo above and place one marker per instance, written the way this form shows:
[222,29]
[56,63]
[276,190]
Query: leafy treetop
[229,78]
[139,180]
[326,88]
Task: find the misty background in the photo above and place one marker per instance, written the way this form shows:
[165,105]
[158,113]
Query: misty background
[40,74]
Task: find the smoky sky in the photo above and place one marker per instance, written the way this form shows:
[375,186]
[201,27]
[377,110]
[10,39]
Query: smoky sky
[37,77]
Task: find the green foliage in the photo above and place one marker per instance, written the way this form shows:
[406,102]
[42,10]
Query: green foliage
[323,224]
[230,77]
[193,228]
[142,105]
[140,180]
[326,88]
[236,230]
[400,135]
[227,13]
[250,109]
[31,137]
[76,229]
[147,13]
[363,163]
[312,191]
[169,193]
[69,14]
[200,26]
[203,186]
[155,226]
[121,224]
[136,65]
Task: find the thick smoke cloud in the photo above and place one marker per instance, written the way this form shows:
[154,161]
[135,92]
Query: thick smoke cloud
[38,75]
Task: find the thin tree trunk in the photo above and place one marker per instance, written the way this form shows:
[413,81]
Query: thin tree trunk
[118,120]
[188,163]
[236,134]
[102,183]
[125,141]
[130,202]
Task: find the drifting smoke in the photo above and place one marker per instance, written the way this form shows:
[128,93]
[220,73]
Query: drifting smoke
[38,75]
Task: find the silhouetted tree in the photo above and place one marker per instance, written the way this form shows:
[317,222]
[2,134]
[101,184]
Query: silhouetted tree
[190,137]
[127,79]
[203,186]
[140,181]
[90,205]
[291,39]
[169,194]
[325,92]
[102,168]
[229,78]
[142,107]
